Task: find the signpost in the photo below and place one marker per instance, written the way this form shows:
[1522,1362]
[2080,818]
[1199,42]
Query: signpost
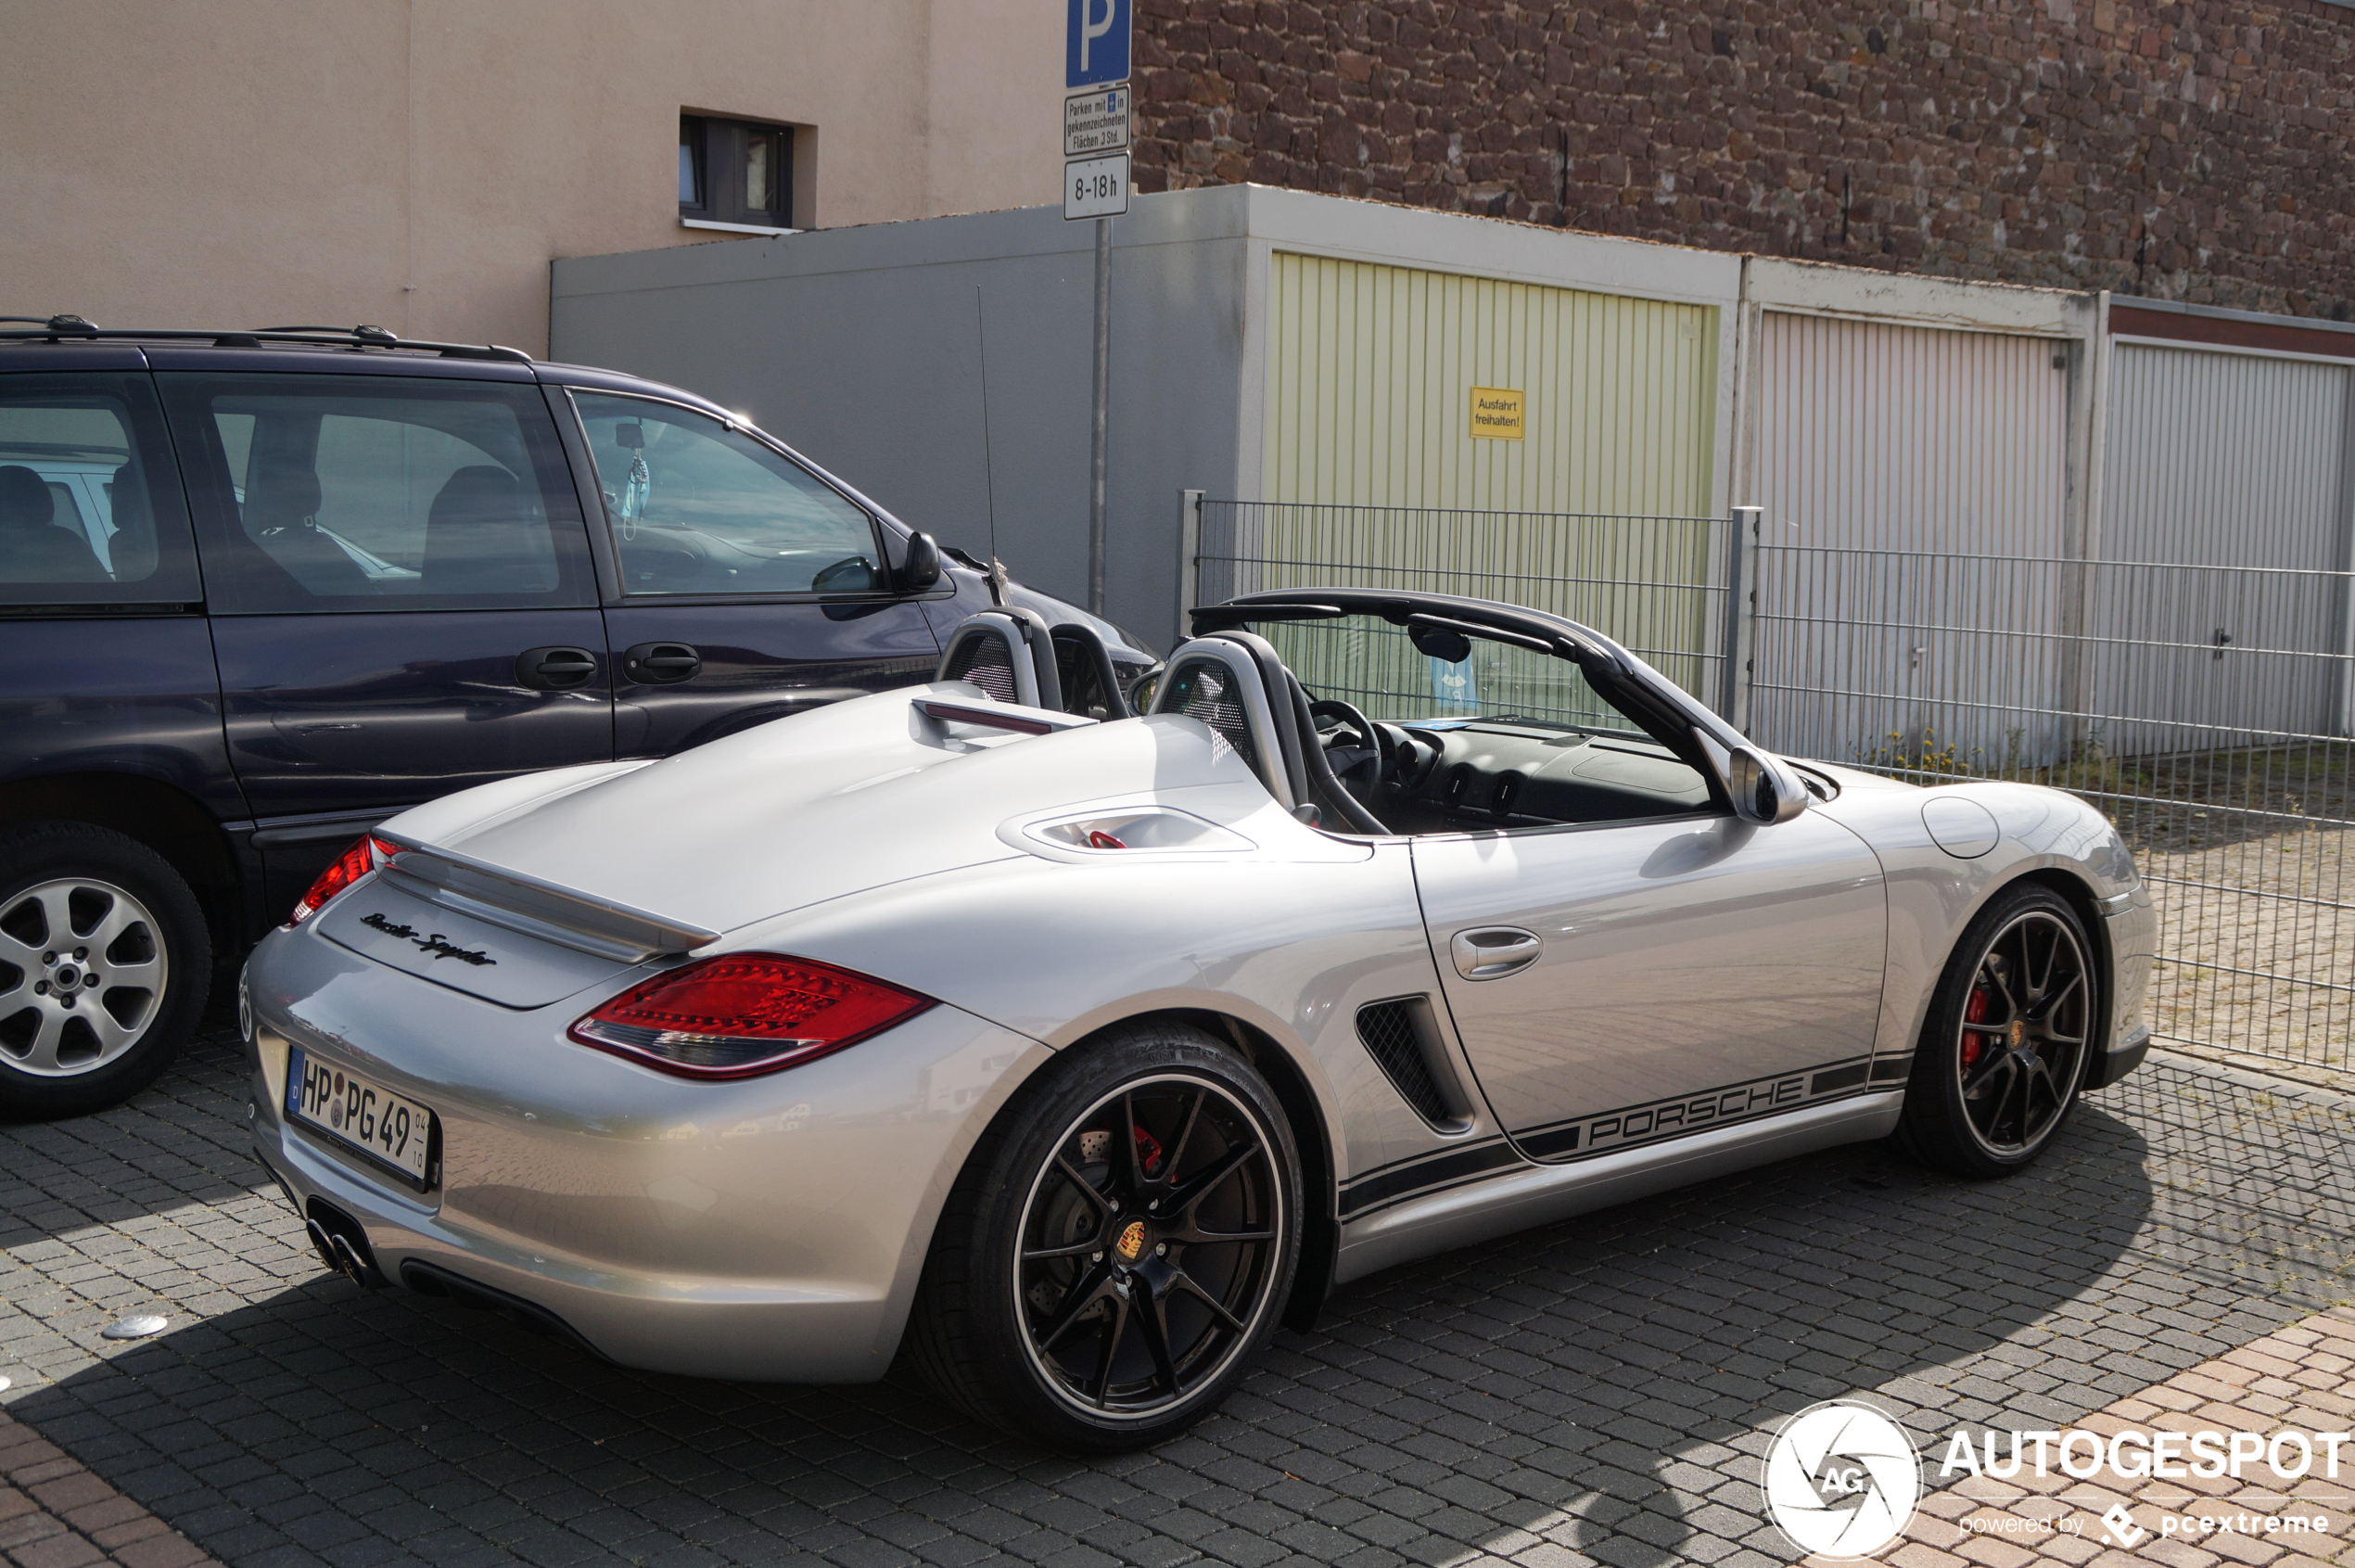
[1095,116]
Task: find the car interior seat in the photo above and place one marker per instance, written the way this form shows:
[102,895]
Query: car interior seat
[1015,656]
[1083,669]
[33,548]
[1236,683]
[1009,653]
[480,537]
[132,550]
[282,516]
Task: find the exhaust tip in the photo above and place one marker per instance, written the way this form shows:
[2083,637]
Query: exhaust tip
[343,1244]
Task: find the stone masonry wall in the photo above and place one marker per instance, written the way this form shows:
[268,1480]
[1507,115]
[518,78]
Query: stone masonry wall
[2197,152]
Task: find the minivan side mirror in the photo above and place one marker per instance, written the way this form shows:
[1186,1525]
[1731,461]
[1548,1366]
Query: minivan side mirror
[921,570]
[1764,790]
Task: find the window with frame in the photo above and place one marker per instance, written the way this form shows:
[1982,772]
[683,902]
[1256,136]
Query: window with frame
[735,172]
[89,504]
[379,493]
[697,507]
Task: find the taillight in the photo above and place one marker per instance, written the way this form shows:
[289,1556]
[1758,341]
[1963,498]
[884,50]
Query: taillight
[744,1013]
[365,854]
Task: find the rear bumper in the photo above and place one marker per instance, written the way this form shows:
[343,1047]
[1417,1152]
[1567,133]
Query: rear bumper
[771,1228]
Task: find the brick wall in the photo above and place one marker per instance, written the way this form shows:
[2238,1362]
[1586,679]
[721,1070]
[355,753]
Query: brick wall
[2196,152]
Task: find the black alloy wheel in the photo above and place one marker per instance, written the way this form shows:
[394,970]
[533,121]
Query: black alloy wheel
[2008,1040]
[1143,1243]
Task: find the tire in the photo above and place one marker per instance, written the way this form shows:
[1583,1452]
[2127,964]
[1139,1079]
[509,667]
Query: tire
[1134,1327]
[105,962]
[2003,1053]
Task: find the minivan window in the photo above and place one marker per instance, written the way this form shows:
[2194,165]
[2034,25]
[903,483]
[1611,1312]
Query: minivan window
[89,509]
[696,507]
[365,492]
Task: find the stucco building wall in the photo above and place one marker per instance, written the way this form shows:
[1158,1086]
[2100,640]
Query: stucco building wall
[417,163]
[2196,152]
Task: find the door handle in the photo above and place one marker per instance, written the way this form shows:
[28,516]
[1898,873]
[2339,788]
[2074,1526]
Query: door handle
[1491,953]
[660,664]
[554,669]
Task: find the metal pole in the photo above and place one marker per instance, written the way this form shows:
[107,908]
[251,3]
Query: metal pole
[1096,468]
[1188,559]
[1742,616]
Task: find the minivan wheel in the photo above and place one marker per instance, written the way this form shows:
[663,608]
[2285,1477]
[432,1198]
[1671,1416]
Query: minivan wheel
[1119,1246]
[105,962]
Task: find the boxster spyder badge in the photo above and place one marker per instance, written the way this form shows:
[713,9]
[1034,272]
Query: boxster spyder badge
[1072,1049]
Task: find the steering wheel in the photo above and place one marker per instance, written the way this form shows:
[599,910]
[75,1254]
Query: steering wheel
[1366,766]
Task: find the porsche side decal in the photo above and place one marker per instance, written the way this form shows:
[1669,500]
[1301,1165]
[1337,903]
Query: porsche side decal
[1633,1125]
[1425,1173]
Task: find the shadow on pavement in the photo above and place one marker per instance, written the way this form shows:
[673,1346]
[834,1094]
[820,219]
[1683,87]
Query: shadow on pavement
[1599,1388]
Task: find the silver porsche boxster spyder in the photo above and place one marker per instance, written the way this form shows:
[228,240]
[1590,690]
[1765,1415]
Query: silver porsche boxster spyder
[1065,1052]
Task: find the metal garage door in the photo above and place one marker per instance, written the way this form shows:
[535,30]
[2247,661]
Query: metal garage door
[1914,482]
[2232,470]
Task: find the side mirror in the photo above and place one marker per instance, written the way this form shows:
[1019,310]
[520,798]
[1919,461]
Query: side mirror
[1764,790]
[921,568]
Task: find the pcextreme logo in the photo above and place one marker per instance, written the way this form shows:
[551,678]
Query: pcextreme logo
[1841,1480]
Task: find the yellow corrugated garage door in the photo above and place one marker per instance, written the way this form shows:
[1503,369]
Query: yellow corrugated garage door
[1377,477]
[1369,383]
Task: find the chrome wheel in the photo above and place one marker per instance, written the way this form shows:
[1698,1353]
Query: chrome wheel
[1149,1247]
[2021,1042]
[83,971]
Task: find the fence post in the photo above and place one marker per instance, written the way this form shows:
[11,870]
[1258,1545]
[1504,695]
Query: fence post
[1188,557]
[1740,642]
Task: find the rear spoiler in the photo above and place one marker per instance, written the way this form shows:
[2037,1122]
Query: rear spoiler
[540,909]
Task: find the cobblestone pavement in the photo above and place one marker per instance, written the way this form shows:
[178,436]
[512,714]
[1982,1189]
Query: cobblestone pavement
[54,1513]
[2300,1379]
[1594,1392]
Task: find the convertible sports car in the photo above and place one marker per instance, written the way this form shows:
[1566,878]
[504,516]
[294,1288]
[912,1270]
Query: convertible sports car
[1067,1052]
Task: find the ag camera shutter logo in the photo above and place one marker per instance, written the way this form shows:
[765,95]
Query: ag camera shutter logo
[1841,1480]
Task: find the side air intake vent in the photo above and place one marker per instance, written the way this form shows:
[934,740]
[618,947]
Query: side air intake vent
[983,661]
[1398,1035]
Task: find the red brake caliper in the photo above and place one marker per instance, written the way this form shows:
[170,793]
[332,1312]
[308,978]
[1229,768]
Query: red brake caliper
[1148,1149]
[1974,1012]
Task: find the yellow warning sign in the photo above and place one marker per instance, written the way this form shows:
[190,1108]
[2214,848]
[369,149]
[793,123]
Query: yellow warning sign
[1497,413]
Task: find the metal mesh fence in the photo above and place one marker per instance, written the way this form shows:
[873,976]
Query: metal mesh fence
[1654,583]
[2204,709]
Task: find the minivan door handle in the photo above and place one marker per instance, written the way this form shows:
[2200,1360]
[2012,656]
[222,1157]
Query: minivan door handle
[660,664]
[1491,953]
[555,668]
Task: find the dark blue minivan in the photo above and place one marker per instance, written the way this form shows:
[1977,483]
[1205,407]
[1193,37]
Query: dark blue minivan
[260,590]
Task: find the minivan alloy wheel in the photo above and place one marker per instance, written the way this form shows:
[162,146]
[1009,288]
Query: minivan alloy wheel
[82,972]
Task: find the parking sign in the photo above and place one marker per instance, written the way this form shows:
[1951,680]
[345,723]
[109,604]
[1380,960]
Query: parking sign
[1096,42]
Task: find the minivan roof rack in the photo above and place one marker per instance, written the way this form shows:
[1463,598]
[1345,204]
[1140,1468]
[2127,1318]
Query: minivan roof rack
[62,328]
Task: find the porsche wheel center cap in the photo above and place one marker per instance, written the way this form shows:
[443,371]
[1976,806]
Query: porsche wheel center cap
[2019,1033]
[1131,1243]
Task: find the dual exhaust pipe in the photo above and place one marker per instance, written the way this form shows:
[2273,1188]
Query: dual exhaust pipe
[342,1244]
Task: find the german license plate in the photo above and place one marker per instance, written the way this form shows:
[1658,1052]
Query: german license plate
[352,1110]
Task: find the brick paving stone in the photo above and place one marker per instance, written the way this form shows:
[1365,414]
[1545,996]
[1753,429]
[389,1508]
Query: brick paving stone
[56,1514]
[2061,1519]
[1597,1392]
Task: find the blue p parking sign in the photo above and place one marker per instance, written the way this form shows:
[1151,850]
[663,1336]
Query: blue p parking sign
[1096,44]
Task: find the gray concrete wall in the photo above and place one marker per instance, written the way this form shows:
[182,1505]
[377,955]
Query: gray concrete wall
[859,346]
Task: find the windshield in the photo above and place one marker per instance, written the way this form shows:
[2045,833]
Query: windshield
[1380,669]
